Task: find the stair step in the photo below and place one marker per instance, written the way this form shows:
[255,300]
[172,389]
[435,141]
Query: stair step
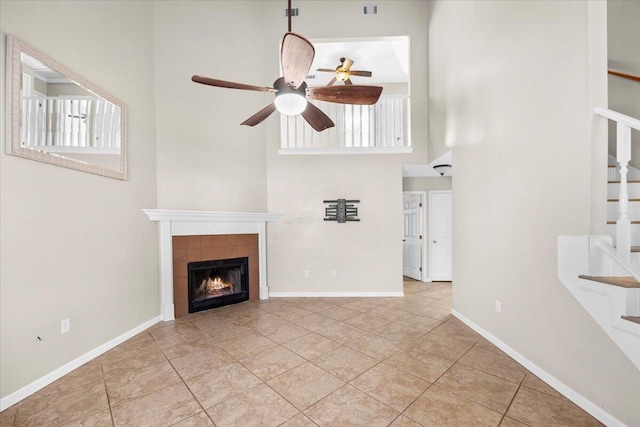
[623,282]
[617,200]
[634,249]
[628,182]
[634,319]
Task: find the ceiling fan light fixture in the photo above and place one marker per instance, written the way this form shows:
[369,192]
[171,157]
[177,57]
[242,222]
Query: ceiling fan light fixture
[443,169]
[290,103]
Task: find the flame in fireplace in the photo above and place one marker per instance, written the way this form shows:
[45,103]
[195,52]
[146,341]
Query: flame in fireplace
[211,287]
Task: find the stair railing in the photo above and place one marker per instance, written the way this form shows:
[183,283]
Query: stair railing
[624,124]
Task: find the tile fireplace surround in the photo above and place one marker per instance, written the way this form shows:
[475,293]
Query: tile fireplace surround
[202,223]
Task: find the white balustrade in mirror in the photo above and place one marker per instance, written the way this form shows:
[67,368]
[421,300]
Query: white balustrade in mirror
[58,117]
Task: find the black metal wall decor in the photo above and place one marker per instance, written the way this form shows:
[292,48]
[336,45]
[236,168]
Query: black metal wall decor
[341,210]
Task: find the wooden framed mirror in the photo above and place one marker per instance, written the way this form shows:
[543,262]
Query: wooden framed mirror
[56,116]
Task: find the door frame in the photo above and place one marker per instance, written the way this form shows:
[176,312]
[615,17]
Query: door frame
[423,200]
[430,225]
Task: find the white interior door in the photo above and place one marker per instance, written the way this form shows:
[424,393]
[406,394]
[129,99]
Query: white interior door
[440,219]
[412,238]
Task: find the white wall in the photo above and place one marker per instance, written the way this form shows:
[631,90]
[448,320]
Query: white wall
[206,160]
[426,184]
[366,255]
[76,245]
[512,84]
[623,42]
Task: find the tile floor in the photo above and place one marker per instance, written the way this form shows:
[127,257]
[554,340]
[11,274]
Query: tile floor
[297,362]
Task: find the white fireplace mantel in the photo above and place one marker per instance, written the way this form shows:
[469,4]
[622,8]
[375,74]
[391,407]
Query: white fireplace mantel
[191,223]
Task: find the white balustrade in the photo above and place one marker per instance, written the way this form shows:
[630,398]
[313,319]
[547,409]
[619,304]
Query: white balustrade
[65,124]
[624,124]
[383,125]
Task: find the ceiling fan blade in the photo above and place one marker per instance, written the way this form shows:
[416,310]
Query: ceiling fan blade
[333,80]
[360,73]
[316,118]
[326,70]
[231,85]
[347,64]
[297,55]
[359,95]
[348,82]
[260,115]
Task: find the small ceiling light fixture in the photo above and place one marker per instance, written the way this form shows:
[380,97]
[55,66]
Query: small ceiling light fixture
[443,169]
[290,100]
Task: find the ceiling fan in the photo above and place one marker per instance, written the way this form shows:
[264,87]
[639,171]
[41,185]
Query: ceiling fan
[291,91]
[344,72]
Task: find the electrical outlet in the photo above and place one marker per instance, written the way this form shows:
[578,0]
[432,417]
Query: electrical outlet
[334,273]
[65,326]
[306,273]
[498,306]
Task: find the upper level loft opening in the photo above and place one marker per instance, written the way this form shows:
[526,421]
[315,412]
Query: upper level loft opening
[384,127]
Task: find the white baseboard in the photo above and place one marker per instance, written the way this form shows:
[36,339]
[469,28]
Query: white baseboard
[44,381]
[334,294]
[594,410]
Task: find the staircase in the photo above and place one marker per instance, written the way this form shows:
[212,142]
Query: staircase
[603,272]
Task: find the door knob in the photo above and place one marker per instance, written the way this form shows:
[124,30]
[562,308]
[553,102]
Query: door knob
[435,241]
[404,240]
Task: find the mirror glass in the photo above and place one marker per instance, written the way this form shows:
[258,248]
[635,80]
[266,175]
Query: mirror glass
[60,118]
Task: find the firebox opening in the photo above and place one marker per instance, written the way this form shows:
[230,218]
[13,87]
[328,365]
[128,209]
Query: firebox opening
[217,283]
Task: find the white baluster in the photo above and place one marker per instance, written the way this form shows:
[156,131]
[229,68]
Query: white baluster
[623,225]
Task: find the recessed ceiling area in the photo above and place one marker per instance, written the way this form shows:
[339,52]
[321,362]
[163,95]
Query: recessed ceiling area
[386,57]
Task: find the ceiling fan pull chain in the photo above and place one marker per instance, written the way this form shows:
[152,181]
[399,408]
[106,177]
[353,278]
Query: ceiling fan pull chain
[289,14]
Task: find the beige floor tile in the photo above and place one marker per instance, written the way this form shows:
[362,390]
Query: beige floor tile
[457,332]
[87,374]
[401,333]
[284,332]
[161,408]
[421,323]
[8,415]
[100,419]
[222,329]
[339,313]
[341,332]
[265,323]
[442,346]
[314,304]
[258,406]
[485,345]
[345,363]
[485,389]
[218,385]
[438,407]
[535,383]
[430,311]
[182,345]
[305,385]
[534,408]
[247,345]
[291,312]
[201,419]
[389,313]
[199,362]
[314,322]
[272,362]
[508,422]
[349,406]
[363,305]
[47,408]
[391,386]
[300,420]
[128,385]
[367,322]
[130,358]
[375,346]
[403,421]
[311,345]
[498,364]
[167,330]
[416,362]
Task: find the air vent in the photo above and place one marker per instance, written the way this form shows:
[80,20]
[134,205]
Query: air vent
[311,77]
[294,11]
[370,10]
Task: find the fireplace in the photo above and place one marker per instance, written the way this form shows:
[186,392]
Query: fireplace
[217,283]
